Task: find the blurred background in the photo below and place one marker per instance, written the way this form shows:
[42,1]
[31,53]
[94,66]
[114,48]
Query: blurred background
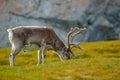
[100,17]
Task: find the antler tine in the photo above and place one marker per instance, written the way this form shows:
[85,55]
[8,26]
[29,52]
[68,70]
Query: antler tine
[76,45]
[77,33]
[72,30]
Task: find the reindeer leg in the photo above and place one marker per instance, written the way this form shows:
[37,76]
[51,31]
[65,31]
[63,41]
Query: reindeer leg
[43,53]
[15,50]
[39,56]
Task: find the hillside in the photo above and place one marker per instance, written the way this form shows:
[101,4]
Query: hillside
[99,61]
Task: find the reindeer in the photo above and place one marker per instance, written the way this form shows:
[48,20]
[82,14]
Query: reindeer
[40,37]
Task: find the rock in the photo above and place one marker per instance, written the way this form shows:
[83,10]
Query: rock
[102,20]
[100,17]
[59,14]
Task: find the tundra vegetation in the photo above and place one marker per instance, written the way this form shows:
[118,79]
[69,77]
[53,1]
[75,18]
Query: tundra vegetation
[98,61]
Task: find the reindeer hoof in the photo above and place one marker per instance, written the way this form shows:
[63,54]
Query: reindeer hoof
[37,64]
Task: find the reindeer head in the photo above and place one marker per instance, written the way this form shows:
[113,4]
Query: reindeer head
[70,36]
[64,54]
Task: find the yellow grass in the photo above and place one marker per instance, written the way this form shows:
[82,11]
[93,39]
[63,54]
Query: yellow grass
[98,61]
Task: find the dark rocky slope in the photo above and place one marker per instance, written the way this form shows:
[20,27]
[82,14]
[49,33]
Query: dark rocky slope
[100,17]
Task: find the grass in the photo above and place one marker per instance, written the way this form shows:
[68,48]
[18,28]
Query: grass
[99,61]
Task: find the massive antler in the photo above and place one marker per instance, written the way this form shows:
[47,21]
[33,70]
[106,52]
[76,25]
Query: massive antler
[71,35]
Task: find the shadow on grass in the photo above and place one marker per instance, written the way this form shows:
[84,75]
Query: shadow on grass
[112,56]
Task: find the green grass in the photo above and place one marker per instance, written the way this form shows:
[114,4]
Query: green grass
[99,61]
